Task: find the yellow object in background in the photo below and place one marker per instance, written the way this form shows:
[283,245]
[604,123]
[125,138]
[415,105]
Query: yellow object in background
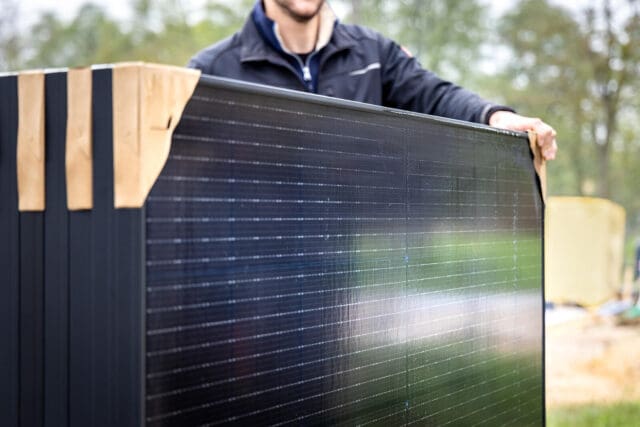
[584,244]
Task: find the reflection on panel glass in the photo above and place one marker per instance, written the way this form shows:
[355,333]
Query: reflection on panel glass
[322,264]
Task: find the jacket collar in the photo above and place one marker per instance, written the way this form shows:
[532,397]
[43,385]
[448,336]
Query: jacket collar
[258,45]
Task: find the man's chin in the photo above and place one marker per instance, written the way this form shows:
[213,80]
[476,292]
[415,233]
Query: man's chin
[302,18]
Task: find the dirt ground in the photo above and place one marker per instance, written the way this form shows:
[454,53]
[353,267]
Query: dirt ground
[589,359]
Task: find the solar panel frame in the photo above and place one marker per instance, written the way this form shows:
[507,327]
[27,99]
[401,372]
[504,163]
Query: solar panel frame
[238,153]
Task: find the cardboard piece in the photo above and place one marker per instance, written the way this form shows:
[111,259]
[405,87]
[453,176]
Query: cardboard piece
[78,154]
[148,101]
[31,141]
[539,163]
[584,247]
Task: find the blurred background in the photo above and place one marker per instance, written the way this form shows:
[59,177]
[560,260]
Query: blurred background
[577,66]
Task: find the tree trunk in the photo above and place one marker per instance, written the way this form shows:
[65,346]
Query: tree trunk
[604,180]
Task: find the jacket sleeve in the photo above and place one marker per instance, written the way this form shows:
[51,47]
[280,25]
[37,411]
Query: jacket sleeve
[408,86]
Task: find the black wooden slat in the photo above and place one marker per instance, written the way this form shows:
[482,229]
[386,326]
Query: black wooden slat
[56,261]
[9,254]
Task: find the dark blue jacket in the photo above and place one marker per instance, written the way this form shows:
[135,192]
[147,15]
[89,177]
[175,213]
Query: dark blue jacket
[356,64]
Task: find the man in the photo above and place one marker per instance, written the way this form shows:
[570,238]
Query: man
[300,45]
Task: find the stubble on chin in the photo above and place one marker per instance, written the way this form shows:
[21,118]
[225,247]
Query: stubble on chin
[283,4]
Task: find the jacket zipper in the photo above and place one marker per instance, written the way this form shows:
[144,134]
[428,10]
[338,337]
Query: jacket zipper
[307,73]
[306,70]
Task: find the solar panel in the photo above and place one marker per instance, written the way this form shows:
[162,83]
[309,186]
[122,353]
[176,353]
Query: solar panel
[300,260]
[319,262]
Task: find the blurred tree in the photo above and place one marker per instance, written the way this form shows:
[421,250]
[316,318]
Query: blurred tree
[447,36]
[159,31]
[614,56]
[166,32]
[92,37]
[580,72]
[546,78]
[9,40]
[371,13]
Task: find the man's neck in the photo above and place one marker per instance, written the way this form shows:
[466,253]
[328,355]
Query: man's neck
[298,37]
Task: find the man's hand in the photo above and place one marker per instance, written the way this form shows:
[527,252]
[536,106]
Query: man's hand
[546,134]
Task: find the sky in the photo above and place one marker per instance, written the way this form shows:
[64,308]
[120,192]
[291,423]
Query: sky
[67,8]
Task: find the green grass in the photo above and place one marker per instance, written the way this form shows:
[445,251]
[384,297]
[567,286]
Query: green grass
[616,415]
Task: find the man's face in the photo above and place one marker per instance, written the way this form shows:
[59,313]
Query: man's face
[300,10]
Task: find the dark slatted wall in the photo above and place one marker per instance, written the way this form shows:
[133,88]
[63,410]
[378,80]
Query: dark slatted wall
[106,276]
[316,262]
[71,283]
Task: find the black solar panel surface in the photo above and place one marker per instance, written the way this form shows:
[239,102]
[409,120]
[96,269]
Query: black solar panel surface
[317,262]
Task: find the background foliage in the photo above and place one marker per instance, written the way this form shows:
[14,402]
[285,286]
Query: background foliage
[578,68]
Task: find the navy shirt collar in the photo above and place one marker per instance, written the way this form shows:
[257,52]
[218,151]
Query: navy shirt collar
[265,26]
